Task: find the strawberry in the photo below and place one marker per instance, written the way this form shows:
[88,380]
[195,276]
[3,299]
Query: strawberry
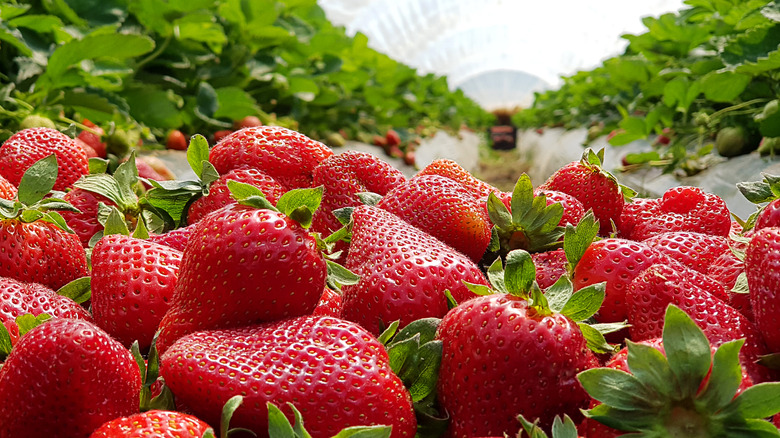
[154,423]
[247,122]
[444,209]
[761,266]
[726,270]
[244,265]
[594,187]
[28,146]
[93,138]
[176,140]
[404,272]
[333,371]
[454,171]
[660,285]
[34,243]
[285,155]
[769,216]
[17,298]
[88,151]
[219,195]
[694,250]
[680,209]
[573,211]
[684,388]
[65,378]
[392,137]
[7,190]
[84,222]
[345,175]
[329,305]
[550,266]
[132,287]
[176,239]
[510,353]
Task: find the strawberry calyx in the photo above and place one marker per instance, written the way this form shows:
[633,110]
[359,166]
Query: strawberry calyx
[20,326]
[31,203]
[561,428]
[688,391]
[531,225]
[594,161]
[279,426]
[150,374]
[227,414]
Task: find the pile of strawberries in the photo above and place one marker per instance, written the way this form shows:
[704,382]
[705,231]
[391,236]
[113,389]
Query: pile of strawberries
[288,286]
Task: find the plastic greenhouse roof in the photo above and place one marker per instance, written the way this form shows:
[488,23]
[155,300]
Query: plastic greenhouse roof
[499,52]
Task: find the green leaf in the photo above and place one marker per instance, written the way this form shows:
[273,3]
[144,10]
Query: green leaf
[340,276]
[522,197]
[300,431]
[615,388]
[725,86]
[771,361]
[520,273]
[559,293]
[197,153]
[173,203]
[154,106]
[565,428]
[115,224]
[499,214]
[687,350]
[594,339]
[208,175]
[201,27]
[28,321]
[769,119]
[97,165]
[227,414]
[141,232]
[425,327]
[369,198]
[495,275]
[57,219]
[5,342]
[426,373]
[113,46]
[38,180]
[300,204]
[388,333]
[478,289]
[278,424]
[585,302]
[576,240]
[725,377]
[365,432]
[759,401]
[651,368]
[248,194]
[756,192]
[78,290]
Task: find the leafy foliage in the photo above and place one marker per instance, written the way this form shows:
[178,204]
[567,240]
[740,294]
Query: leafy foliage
[148,66]
[710,66]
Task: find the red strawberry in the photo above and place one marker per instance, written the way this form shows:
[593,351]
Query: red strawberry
[769,216]
[219,135]
[594,187]
[132,287]
[726,270]
[176,140]
[501,357]
[392,137]
[65,378]
[88,151]
[550,266]
[84,222]
[680,209]
[18,298]
[444,209]
[329,305]
[176,239]
[247,122]
[331,370]
[154,423]
[219,195]
[28,146]
[694,250]
[7,190]
[454,171]
[573,211]
[244,265]
[660,285]
[285,155]
[93,139]
[345,175]
[404,272]
[762,266]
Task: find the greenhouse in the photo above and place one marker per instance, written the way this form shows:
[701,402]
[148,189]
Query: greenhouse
[389,218]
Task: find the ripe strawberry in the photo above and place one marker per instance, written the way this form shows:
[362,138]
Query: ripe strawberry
[329,305]
[132,287]
[88,151]
[345,175]
[7,190]
[392,137]
[65,378]
[247,122]
[660,285]
[404,272]
[726,269]
[28,146]
[694,250]
[93,139]
[18,298]
[219,135]
[285,155]
[219,195]
[444,209]
[244,265]
[573,211]
[503,355]
[550,266]
[154,423]
[769,216]
[84,222]
[680,209]
[594,187]
[333,371]
[176,140]
[176,239]
[762,260]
